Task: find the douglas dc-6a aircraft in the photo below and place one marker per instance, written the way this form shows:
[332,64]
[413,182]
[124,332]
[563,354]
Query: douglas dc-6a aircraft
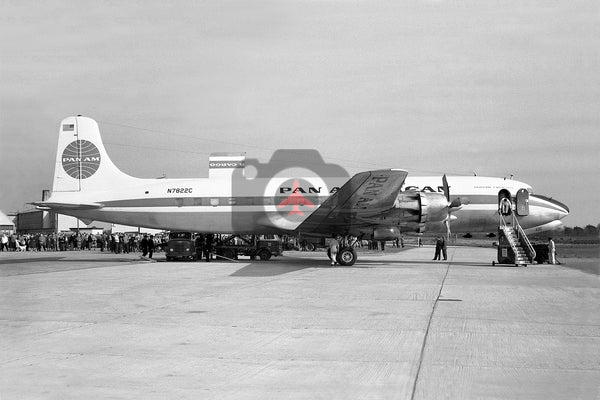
[303,197]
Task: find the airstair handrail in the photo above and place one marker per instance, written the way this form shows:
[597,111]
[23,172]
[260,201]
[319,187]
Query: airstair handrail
[525,242]
[523,239]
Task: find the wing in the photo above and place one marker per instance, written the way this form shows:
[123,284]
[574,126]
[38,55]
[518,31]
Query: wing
[365,196]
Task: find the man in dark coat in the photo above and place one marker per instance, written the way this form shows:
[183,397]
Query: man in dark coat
[150,246]
[144,245]
[438,247]
[444,254]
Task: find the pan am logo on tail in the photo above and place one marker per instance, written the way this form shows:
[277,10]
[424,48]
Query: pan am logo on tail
[81,152]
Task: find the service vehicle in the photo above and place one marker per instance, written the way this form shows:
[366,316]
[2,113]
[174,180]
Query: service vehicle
[181,246]
[312,243]
[262,246]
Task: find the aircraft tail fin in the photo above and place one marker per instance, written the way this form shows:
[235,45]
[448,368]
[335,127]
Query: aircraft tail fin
[82,163]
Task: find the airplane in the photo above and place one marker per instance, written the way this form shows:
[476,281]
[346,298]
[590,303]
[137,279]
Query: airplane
[378,204]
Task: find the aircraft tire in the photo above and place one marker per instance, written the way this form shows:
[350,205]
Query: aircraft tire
[346,256]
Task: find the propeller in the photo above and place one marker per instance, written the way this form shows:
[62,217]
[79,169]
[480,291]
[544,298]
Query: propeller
[453,205]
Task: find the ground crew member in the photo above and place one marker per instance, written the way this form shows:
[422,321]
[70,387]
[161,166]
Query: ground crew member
[208,246]
[551,251]
[199,243]
[334,246]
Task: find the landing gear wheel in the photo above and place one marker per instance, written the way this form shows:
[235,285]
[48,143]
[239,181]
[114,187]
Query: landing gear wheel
[346,256]
[264,254]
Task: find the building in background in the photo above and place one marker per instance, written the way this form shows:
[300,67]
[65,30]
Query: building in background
[7,225]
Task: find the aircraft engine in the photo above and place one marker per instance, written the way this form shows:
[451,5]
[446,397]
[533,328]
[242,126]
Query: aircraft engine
[386,233]
[420,208]
[434,207]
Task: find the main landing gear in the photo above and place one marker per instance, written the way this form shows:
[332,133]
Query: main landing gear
[346,255]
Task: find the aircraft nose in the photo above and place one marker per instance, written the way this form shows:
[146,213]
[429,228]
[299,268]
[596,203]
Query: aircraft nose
[558,208]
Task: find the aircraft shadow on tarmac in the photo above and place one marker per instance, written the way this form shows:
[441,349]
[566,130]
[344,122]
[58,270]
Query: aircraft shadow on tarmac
[279,266]
[284,265]
[266,270]
[288,265]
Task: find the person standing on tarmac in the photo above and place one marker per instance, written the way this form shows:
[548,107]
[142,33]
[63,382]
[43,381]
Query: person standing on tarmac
[4,244]
[334,246]
[150,246]
[144,245]
[444,253]
[199,243]
[551,251]
[208,244]
[438,248]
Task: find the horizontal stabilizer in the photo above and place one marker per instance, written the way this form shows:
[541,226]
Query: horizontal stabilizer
[66,206]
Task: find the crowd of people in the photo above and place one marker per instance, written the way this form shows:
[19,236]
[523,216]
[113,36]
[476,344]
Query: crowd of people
[68,241]
[148,244]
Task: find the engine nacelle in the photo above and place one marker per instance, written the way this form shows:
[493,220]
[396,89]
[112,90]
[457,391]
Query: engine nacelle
[434,207]
[416,209]
[386,233]
[412,212]
[420,208]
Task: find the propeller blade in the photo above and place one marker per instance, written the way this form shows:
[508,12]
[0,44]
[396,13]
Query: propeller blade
[452,205]
[456,203]
[445,187]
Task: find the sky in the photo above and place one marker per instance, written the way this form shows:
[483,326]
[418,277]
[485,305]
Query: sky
[498,88]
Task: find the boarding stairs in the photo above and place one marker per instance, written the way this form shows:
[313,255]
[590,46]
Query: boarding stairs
[523,252]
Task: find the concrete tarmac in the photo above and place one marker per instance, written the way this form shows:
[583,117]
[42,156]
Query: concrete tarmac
[81,325]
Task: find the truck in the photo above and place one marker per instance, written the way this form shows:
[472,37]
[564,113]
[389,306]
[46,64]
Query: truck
[181,246]
[261,246]
[312,243]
